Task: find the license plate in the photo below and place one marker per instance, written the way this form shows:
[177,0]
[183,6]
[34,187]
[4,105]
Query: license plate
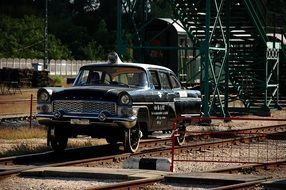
[80,121]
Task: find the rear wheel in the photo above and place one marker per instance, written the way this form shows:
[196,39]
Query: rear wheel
[132,139]
[58,139]
[181,137]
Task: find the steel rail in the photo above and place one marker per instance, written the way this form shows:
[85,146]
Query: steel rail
[119,157]
[130,184]
[249,167]
[182,118]
[258,130]
[156,145]
[239,185]
[98,160]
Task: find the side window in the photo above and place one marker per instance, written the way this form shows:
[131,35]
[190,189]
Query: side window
[164,79]
[122,78]
[174,81]
[93,78]
[155,79]
[85,75]
[82,80]
[106,78]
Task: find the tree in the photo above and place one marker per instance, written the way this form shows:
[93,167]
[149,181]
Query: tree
[93,51]
[75,26]
[161,8]
[24,38]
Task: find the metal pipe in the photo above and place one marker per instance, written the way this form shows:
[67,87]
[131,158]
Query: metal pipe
[173,146]
[31,110]
[46,36]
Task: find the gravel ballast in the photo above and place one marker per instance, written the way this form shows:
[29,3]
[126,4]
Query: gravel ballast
[28,183]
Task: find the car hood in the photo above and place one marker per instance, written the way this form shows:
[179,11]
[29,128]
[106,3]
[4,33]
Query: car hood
[100,93]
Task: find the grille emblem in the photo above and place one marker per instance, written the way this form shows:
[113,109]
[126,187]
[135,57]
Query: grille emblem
[58,114]
[102,116]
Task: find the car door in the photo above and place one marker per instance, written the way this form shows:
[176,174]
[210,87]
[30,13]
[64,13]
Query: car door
[169,96]
[162,109]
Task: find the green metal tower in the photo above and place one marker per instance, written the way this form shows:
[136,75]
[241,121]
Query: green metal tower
[230,45]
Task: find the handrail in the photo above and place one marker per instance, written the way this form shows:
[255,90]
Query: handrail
[185,25]
[256,20]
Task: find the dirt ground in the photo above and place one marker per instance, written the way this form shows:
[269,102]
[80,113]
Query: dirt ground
[18,103]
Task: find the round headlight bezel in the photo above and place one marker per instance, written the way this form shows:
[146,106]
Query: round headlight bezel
[124,99]
[43,96]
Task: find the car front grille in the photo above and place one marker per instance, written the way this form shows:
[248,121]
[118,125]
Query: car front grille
[82,106]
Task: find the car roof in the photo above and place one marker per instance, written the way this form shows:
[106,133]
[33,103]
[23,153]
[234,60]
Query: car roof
[144,66]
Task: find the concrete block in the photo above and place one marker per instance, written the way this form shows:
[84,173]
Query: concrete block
[161,164]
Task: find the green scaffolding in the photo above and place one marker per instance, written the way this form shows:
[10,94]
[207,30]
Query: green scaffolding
[224,36]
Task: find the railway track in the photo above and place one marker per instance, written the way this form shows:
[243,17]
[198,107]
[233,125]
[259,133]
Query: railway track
[86,156]
[148,148]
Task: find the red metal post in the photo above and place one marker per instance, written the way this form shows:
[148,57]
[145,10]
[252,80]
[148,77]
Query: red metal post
[31,110]
[173,146]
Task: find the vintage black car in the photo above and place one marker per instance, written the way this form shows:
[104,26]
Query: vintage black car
[121,102]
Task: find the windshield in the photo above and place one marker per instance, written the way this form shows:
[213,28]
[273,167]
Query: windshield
[123,76]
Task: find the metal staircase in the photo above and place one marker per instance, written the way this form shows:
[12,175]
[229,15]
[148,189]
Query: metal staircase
[242,25]
[205,27]
[238,53]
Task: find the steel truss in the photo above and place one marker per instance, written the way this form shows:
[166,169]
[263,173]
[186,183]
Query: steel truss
[211,47]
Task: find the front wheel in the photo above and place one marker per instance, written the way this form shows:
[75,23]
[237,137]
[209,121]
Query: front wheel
[132,139]
[58,139]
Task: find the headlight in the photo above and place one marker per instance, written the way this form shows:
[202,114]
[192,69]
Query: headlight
[44,108]
[43,96]
[127,111]
[125,99]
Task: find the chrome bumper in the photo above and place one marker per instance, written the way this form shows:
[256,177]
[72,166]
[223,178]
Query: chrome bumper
[127,122]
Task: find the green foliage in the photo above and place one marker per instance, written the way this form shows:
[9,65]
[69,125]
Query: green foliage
[100,33]
[104,39]
[128,56]
[75,25]
[77,29]
[24,38]
[57,50]
[75,37]
[57,80]
[93,51]
[161,8]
